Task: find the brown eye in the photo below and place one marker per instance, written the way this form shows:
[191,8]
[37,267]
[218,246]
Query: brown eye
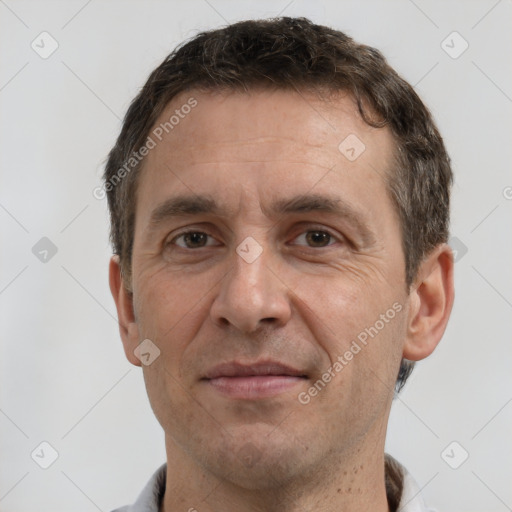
[315,238]
[318,238]
[193,240]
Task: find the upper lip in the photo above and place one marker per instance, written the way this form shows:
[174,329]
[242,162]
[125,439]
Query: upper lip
[236,369]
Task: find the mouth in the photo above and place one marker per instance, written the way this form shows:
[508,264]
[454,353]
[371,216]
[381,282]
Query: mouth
[252,381]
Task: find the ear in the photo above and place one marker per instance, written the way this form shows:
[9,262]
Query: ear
[431,301]
[124,303]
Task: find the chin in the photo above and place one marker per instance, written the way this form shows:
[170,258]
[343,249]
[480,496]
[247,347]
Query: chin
[259,462]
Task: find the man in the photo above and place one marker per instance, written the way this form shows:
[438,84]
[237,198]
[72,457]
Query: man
[279,200]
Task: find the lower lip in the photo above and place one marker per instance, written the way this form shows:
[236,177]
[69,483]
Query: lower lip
[257,386]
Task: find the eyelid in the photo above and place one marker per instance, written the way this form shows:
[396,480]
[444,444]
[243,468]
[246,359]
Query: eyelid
[301,229]
[305,227]
[187,230]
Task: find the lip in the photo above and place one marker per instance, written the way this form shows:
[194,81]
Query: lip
[251,381]
[259,368]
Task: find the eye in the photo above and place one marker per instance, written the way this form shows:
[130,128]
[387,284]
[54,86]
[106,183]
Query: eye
[316,238]
[193,240]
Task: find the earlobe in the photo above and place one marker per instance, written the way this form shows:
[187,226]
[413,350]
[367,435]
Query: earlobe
[123,299]
[431,302]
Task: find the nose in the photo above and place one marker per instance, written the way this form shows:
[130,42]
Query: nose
[251,295]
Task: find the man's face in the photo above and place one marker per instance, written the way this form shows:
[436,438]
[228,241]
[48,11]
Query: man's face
[261,254]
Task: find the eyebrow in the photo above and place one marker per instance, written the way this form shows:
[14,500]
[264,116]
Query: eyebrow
[326,204]
[189,205]
[181,206]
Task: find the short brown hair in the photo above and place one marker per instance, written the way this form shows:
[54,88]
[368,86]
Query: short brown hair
[293,53]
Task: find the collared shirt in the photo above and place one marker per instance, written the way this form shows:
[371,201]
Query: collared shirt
[402,491]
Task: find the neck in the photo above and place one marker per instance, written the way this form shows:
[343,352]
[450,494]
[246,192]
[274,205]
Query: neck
[346,481]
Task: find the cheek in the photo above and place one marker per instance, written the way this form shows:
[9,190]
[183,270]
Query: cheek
[359,330]
[171,315]
[344,308]
[169,310]
[173,408]
[358,381]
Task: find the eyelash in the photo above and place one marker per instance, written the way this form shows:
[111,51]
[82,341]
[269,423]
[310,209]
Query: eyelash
[310,230]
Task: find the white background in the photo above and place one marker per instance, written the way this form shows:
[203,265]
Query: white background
[64,376]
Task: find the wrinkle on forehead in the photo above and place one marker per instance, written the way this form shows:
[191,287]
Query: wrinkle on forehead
[284,127]
[253,150]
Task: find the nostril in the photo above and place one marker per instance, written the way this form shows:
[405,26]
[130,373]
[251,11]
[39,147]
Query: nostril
[224,321]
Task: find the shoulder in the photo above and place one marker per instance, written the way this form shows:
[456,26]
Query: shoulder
[151,496]
[404,494]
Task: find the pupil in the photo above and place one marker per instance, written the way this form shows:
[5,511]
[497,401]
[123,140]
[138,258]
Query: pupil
[195,239]
[319,237]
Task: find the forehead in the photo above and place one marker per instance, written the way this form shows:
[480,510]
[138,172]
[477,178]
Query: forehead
[224,119]
[275,140]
